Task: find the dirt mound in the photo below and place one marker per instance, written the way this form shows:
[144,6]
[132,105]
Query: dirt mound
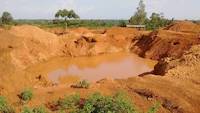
[29,45]
[164,43]
[184,26]
[185,65]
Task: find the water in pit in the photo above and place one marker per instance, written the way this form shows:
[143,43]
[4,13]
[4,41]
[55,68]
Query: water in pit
[116,66]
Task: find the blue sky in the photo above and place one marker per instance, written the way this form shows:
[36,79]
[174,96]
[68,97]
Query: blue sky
[100,9]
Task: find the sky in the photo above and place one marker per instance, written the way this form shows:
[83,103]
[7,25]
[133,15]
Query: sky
[100,9]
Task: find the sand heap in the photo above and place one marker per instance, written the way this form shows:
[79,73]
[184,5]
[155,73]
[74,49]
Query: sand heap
[184,26]
[164,43]
[28,45]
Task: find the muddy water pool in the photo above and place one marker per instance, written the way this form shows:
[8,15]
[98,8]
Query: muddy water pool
[116,66]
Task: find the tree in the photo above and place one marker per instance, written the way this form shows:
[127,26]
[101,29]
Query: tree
[122,23]
[72,14]
[140,15]
[58,14]
[6,18]
[156,21]
[66,14]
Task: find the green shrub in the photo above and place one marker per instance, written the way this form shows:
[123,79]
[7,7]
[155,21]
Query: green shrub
[122,23]
[82,84]
[26,95]
[4,107]
[154,108]
[27,110]
[96,103]
[69,102]
[39,109]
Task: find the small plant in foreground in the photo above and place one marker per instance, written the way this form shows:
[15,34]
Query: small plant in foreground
[69,102]
[96,103]
[26,95]
[154,108]
[82,84]
[27,110]
[39,109]
[4,107]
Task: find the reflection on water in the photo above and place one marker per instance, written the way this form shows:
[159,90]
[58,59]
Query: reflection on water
[98,67]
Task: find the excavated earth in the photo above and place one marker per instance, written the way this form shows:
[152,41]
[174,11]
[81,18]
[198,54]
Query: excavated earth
[174,82]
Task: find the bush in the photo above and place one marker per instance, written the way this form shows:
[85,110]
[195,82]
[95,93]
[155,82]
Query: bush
[119,103]
[4,107]
[39,109]
[82,84]
[154,108]
[26,95]
[27,110]
[122,23]
[69,102]
[96,103]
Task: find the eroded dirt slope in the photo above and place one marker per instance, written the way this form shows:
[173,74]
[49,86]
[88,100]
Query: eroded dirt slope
[178,89]
[94,42]
[164,43]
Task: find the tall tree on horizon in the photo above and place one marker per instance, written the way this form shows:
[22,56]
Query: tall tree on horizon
[140,15]
[6,18]
[66,14]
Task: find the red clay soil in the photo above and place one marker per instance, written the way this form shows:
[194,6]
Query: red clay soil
[164,43]
[184,26]
[106,41]
[178,90]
